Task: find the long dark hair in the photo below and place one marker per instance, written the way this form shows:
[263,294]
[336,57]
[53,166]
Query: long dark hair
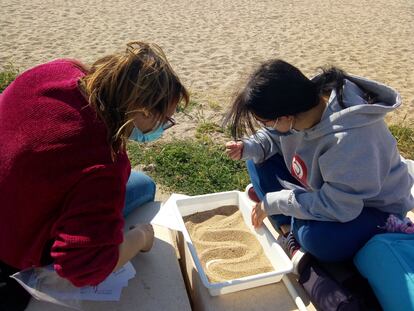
[277,88]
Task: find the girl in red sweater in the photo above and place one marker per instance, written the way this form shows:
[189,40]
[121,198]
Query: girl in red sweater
[64,173]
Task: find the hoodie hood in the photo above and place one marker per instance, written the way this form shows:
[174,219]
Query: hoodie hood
[358,111]
[346,162]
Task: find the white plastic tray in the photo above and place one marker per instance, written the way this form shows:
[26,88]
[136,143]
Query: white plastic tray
[277,257]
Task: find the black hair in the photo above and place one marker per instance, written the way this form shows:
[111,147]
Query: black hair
[277,88]
[330,79]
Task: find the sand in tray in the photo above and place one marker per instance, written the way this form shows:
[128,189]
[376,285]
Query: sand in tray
[226,247]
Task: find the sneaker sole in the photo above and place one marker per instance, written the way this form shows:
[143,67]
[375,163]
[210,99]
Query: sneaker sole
[300,260]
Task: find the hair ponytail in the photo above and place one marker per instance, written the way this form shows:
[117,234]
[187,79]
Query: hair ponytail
[331,79]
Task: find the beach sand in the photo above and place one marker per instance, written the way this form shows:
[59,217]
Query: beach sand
[227,249]
[213,44]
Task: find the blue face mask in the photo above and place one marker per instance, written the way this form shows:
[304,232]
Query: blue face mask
[141,137]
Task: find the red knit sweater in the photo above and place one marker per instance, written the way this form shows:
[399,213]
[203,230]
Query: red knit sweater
[61,195]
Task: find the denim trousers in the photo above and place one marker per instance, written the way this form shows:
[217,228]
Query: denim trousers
[326,240]
[140,189]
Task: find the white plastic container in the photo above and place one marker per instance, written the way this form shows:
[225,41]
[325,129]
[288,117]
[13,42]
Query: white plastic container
[277,257]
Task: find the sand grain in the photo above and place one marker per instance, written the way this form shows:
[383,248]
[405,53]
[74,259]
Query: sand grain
[214,44]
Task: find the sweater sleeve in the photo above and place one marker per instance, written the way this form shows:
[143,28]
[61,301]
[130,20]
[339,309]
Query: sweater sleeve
[88,232]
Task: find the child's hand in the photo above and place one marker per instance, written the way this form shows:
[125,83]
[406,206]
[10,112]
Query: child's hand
[258,215]
[234,149]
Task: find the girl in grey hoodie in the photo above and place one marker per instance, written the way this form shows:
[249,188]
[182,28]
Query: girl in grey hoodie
[323,160]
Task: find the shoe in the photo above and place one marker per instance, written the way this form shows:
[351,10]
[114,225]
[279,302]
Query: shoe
[251,193]
[299,257]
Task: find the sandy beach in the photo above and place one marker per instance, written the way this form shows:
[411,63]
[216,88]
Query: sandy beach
[214,44]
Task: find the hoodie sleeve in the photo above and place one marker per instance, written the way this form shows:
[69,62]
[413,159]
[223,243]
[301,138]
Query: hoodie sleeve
[353,170]
[261,146]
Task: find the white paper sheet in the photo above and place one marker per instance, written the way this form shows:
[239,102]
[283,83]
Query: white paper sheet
[111,288]
[168,214]
[45,284]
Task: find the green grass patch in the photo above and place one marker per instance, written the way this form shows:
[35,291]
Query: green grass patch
[191,105]
[405,139]
[7,76]
[208,128]
[205,129]
[214,105]
[190,167]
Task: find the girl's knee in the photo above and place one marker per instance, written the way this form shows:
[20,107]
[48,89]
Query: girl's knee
[323,243]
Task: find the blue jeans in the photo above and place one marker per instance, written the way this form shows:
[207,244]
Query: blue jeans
[140,189]
[327,241]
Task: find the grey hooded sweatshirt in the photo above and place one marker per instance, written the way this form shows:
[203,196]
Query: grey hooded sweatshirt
[346,162]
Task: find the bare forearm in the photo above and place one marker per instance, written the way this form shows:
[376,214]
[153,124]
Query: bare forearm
[132,244]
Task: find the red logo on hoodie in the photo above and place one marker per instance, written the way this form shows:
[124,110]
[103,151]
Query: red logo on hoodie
[299,170]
